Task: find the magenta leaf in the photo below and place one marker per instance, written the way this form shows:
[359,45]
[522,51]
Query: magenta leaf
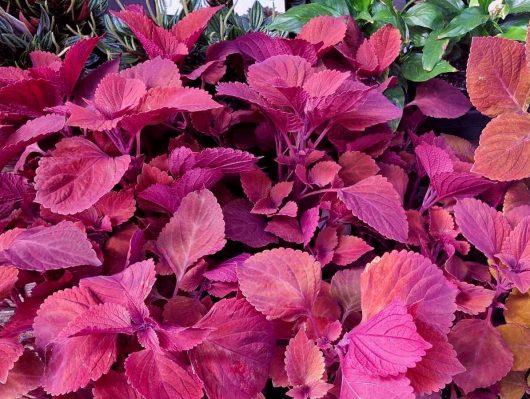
[413,279]
[482,225]
[279,295]
[76,176]
[114,385]
[196,229]
[438,99]
[10,352]
[236,357]
[48,248]
[158,375]
[474,340]
[375,201]
[387,344]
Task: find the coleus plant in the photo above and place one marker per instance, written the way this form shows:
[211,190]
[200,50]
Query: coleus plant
[299,234]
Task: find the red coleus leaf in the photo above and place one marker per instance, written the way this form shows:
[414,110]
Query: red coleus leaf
[482,225]
[413,279]
[498,78]
[8,278]
[304,364]
[10,352]
[474,341]
[438,366]
[375,201]
[277,294]
[324,32]
[63,371]
[77,175]
[438,99]
[349,249]
[196,229]
[25,376]
[159,375]
[113,385]
[515,254]
[236,357]
[379,51]
[503,152]
[48,248]
[128,288]
[387,344]
[358,385]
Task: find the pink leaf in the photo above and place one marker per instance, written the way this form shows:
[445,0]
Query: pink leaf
[189,28]
[157,375]
[385,44]
[459,184]
[74,62]
[473,299]
[358,385]
[437,367]
[346,289]
[8,279]
[256,185]
[498,78]
[10,352]
[63,371]
[413,279]
[375,201]
[474,341]
[116,95]
[356,166]
[158,72]
[324,31]
[48,248]
[24,377]
[349,249]
[196,229]
[29,97]
[114,385]
[482,225]
[433,159]
[106,318]
[32,131]
[234,360]
[438,99]
[128,288]
[76,176]
[304,363]
[244,226]
[323,173]
[515,253]
[387,344]
[226,160]
[281,283]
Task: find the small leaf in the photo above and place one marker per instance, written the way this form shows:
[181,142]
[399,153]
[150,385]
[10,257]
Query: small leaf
[464,22]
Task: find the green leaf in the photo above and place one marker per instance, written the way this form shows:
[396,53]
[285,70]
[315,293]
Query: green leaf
[360,5]
[426,15]
[397,96]
[465,22]
[412,69]
[340,6]
[451,7]
[294,18]
[518,6]
[515,33]
[433,50]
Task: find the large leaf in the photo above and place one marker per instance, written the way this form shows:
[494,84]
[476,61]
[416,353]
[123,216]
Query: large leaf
[296,17]
[498,77]
[464,22]
[157,375]
[235,358]
[281,283]
[358,385]
[77,175]
[482,225]
[197,229]
[387,344]
[474,341]
[504,149]
[375,201]
[413,279]
[49,248]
